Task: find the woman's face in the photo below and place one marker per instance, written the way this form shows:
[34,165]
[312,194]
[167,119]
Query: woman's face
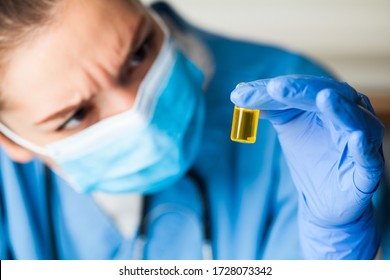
[85,67]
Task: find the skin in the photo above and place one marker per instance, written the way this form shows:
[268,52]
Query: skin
[85,67]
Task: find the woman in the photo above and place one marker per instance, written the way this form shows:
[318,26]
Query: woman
[115,124]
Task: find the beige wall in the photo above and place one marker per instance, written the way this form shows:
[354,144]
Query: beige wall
[352,37]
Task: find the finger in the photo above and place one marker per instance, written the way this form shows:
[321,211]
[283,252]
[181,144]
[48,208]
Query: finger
[254,95]
[290,91]
[300,91]
[348,116]
[369,163]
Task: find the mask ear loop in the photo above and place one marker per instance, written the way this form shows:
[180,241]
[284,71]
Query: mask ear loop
[33,148]
[22,142]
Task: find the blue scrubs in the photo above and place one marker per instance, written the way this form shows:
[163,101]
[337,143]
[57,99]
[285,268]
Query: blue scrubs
[249,199]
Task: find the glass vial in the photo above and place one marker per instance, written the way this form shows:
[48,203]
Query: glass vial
[244,125]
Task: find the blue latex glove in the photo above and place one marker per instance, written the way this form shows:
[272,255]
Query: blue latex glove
[332,141]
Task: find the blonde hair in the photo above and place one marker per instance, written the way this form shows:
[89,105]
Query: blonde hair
[19,17]
[18,21]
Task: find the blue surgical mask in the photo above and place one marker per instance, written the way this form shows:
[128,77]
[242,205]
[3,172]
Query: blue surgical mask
[144,149]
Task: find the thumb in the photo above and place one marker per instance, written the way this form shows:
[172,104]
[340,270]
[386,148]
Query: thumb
[369,163]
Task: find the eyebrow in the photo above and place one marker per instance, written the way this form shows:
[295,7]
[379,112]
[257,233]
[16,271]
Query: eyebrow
[138,34]
[59,114]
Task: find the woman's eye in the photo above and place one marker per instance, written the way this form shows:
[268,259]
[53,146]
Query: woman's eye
[74,120]
[135,60]
[140,55]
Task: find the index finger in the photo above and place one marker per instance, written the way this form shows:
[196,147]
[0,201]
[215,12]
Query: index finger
[291,91]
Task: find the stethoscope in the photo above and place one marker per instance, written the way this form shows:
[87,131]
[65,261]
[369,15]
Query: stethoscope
[197,179]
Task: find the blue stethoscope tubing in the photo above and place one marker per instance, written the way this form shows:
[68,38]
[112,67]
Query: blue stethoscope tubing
[197,179]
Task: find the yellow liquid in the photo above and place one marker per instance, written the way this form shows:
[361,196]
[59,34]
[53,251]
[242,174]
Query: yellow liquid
[244,126]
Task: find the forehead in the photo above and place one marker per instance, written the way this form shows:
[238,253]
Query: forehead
[85,33]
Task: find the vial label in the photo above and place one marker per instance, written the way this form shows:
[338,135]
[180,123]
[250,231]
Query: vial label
[244,125]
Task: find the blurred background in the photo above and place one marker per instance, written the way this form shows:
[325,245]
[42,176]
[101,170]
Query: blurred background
[350,37]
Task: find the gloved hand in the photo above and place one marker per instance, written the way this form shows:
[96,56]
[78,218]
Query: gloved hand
[332,141]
